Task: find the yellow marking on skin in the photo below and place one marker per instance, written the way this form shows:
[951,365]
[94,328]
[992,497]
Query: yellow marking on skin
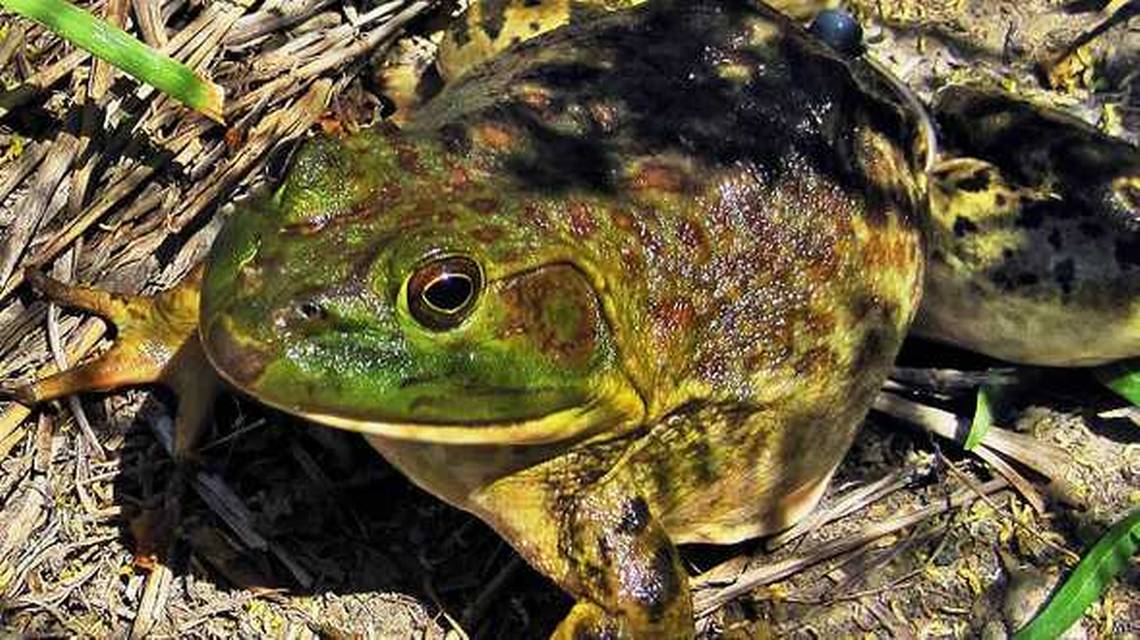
[734,72]
[762,33]
[617,408]
[519,23]
[1128,189]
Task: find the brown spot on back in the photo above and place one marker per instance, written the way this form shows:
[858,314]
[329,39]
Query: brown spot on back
[458,179]
[488,234]
[692,236]
[604,114]
[485,205]
[532,95]
[654,175]
[632,262]
[673,316]
[408,158]
[492,135]
[582,223]
[621,219]
[534,217]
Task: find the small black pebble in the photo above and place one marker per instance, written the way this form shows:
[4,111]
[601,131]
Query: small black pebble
[839,29]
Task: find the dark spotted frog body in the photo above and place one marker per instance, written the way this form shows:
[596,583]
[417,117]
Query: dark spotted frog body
[629,283]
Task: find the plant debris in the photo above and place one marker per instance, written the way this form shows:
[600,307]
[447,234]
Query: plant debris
[287,529]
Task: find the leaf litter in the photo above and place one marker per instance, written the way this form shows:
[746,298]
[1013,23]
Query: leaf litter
[289,530]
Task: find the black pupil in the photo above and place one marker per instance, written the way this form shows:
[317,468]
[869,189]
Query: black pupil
[449,292]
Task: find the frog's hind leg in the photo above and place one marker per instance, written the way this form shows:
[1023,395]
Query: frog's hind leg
[157,341]
[599,540]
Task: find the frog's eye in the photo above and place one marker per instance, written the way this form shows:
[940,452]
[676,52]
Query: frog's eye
[442,293]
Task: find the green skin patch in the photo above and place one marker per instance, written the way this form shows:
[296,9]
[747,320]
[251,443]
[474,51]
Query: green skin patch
[340,340]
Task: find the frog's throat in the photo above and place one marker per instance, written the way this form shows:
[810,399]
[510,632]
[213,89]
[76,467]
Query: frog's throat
[614,412]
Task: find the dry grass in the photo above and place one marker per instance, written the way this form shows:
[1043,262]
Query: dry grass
[288,530]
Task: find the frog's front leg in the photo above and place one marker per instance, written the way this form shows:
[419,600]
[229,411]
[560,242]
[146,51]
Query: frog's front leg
[597,538]
[157,341]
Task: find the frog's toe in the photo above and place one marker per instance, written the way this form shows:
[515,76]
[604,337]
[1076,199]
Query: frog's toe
[151,331]
[19,392]
[156,342]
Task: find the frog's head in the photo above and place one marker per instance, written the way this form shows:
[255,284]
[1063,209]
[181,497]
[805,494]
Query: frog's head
[389,307]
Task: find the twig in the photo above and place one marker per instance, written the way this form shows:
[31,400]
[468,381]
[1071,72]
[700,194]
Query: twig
[1044,458]
[59,356]
[707,601]
[152,605]
[478,607]
[846,505]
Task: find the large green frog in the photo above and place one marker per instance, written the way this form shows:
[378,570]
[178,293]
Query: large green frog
[630,283]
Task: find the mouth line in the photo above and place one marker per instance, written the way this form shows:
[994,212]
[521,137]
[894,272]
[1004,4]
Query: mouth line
[543,429]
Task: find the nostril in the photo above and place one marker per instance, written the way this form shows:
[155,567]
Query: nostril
[311,310]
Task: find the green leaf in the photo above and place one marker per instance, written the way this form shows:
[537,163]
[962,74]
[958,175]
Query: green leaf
[983,418]
[1123,378]
[1108,557]
[106,41]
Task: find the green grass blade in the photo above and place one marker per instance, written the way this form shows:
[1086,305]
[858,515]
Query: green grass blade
[122,50]
[983,418]
[1123,378]
[1108,557]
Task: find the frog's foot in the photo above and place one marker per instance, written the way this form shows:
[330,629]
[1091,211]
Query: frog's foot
[156,341]
[600,542]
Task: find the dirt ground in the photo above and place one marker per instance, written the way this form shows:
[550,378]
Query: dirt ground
[288,530]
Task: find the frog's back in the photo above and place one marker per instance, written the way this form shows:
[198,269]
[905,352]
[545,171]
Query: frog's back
[747,205]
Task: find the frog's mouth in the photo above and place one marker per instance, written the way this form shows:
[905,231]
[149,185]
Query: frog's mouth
[445,411]
[612,414]
[616,409]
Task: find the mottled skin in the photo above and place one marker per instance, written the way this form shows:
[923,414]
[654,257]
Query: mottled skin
[682,244]
[1036,252]
[698,265]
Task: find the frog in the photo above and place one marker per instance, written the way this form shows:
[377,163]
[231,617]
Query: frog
[629,283]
